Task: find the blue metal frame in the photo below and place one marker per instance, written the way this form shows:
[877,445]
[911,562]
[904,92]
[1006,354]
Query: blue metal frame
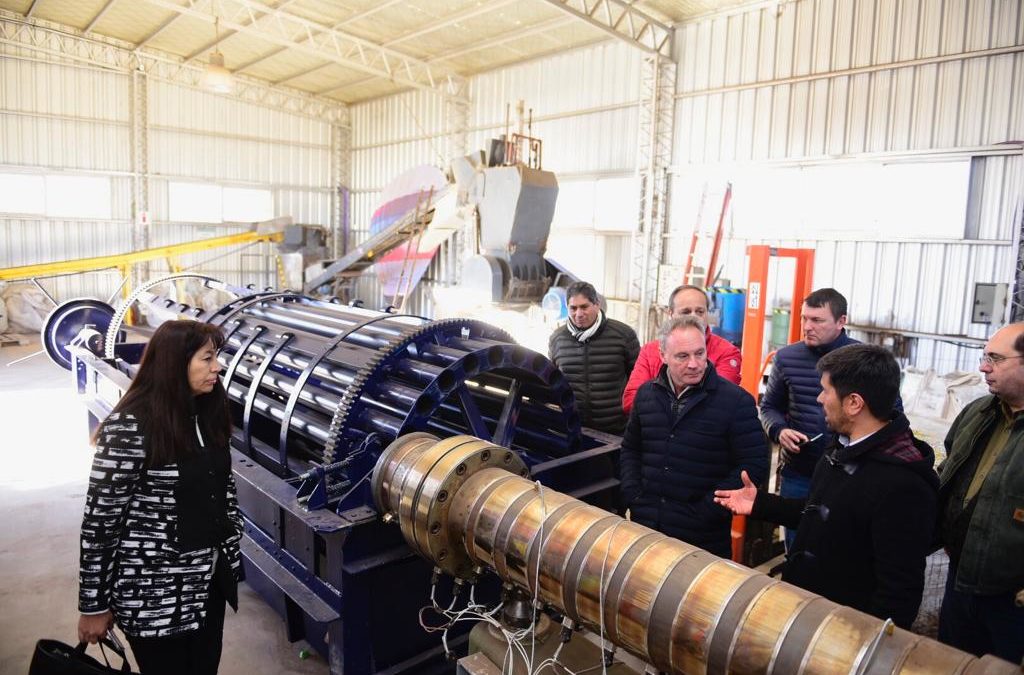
[341,578]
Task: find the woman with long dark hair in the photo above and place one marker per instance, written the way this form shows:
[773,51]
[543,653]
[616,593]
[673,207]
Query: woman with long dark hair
[161,531]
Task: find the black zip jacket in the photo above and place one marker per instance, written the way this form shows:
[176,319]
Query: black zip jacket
[866,527]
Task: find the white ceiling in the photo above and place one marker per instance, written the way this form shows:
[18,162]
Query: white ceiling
[354,50]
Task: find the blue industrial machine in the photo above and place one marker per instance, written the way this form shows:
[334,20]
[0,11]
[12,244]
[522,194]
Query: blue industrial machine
[318,389]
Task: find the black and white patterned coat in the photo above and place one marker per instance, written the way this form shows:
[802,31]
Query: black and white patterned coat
[131,562]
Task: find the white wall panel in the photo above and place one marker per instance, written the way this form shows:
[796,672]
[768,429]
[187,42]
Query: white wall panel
[577,80]
[62,117]
[776,86]
[958,103]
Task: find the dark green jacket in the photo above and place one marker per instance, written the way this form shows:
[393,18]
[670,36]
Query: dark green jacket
[992,560]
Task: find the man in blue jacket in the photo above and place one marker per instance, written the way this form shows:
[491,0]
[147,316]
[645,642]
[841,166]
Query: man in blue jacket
[690,432]
[790,412]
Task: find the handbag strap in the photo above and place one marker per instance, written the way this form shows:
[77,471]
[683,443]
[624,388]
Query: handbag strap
[106,642]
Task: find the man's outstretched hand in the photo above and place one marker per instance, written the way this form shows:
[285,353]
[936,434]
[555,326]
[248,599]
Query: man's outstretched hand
[740,502]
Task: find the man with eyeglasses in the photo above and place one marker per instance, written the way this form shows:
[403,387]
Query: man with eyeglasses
[691,432]
[866,526]
[982,509]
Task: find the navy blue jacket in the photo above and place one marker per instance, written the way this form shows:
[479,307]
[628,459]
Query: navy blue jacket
[790,400]
[672,462]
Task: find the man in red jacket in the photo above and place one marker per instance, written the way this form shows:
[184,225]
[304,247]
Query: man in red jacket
[721,353]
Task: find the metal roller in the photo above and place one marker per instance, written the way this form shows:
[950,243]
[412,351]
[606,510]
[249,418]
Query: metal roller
[319,388]
[673,605]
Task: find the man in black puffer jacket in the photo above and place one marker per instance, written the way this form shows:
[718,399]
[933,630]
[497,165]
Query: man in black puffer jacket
[690,432]
[597,355]
[866,527]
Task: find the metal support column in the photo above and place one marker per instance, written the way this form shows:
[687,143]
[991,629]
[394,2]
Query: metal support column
[462,244]
[657,116]
[1017,294]
[139,99]
[341,175]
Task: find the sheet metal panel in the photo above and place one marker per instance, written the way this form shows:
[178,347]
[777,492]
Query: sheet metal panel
[173,105]
[922,286]
[600,75]
[193,134]
[952,104]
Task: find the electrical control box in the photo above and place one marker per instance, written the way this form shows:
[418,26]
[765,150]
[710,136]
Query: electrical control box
[989,304]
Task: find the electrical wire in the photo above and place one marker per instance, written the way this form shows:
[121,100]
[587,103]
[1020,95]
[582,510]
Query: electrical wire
[514,640]
[536,577]
[600,592]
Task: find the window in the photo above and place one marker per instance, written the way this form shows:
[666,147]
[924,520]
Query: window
[574,207]
[78,197]
[22,193]
[605,205]
[906,200]
[194,202]
[204,203]
[617,204]
[57,196]
[248,205]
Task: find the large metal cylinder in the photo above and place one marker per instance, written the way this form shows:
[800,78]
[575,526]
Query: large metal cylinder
[675,606]
[317,383]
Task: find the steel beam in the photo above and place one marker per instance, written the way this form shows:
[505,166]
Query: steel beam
[122,259]
[139,142]
[624,21]
[309,37]
[654,157]
[52,39]
[340,24]
[486,43]
[99,15]
[210,45]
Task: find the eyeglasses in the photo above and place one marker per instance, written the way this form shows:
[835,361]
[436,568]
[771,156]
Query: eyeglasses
[991,359]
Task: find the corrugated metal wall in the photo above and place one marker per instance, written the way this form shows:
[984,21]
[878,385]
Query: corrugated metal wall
[820,78]
[64,117]
[806,80]
[43,127]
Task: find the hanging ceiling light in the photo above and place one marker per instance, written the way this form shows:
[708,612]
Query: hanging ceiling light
[216,77]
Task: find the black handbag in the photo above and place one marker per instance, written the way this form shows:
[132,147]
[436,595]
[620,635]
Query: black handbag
[53,657]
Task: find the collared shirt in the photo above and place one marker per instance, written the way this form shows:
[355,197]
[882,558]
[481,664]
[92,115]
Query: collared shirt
[845,440]
[994,448]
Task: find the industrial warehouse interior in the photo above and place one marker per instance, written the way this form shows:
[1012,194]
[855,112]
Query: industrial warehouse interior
[512,336]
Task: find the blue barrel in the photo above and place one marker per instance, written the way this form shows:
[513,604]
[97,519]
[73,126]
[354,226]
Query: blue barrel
[731,304]
[554,305]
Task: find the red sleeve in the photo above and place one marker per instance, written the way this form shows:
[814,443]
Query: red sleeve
[727,360]
[647,366]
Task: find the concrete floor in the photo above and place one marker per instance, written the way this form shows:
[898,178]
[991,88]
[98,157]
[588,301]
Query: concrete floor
[43,478]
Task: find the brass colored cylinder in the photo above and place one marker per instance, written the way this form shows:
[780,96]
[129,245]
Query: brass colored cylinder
[675,606]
